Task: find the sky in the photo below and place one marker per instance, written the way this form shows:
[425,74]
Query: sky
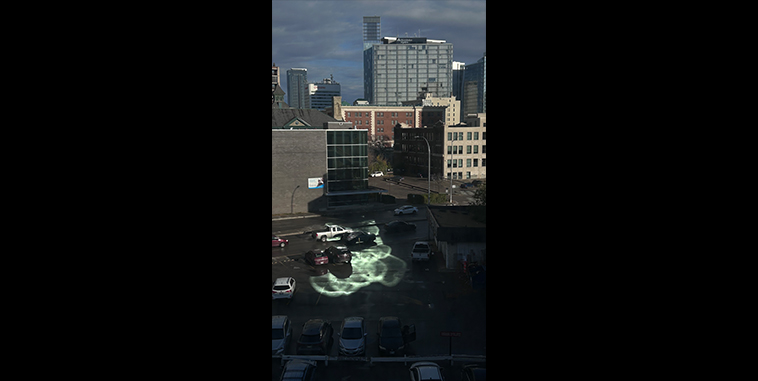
[326,37]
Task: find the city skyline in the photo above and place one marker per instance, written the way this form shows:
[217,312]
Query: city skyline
[325,37]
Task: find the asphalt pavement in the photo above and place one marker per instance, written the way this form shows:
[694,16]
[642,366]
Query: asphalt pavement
[380,281]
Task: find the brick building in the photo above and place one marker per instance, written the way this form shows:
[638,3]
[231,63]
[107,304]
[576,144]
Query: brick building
[380,120]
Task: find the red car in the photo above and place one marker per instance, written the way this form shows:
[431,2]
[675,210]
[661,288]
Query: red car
[316,257]
[276,241]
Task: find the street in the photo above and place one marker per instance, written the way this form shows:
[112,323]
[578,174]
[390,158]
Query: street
[380,281]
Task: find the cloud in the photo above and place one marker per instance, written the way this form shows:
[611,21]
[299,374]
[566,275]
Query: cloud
[326,36]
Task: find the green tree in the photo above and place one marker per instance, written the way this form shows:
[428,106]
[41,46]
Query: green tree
[379,164]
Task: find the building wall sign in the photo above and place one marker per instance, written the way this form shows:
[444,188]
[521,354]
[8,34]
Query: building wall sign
[411,40]
[315,182]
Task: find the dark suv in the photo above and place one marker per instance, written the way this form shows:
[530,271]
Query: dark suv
[316,338]
[393,340]
[339,254]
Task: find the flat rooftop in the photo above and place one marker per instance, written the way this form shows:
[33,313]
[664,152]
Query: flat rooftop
[455,216]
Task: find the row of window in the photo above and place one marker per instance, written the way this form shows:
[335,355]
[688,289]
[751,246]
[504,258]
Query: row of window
[455,150]
[378,114]
[459,163]
[346,137]
[392,122]
[469,135]
[359,150]
[459,175]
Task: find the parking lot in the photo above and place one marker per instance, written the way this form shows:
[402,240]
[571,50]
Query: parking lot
[380,281]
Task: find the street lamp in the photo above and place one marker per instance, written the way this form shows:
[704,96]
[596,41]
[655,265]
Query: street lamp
[292,200]
[429,171]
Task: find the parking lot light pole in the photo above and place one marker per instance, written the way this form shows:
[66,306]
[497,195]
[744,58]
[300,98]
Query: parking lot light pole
[429,170]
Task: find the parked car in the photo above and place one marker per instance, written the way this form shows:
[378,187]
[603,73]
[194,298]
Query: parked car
[281,333]
[316,338]
[339,254]
[316,257]
[280,242]
[283,288]
[406,209]
[352,336]
[399,226]
[467,185]
[392,338]
[477,183]
[298,370]
[473,372]
[331,231]
[377,174]
[426,371]
[420,252]
[358,238]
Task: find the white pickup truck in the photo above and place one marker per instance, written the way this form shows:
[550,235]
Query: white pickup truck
[420,251]
[332,231]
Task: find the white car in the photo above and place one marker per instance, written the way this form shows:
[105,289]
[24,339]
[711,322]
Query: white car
[425,370]
[377,174]
[406,209]
[283,288]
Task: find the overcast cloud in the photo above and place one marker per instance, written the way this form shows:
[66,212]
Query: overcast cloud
[326,37]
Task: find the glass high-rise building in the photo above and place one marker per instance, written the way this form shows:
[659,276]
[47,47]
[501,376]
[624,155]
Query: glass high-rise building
[297,88]
[321,94]
[477,72]
[399,69]
[372,31]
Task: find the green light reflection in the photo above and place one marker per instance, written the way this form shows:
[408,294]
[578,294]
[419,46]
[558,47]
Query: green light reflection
[372,264]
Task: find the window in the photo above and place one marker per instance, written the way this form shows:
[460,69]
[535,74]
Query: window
[455,150]
[476,162]
[448,163]
[468,136]
[460,136]
[484,135]
[460,149]
[381,114]
[455,163]
[484,149]
[460,163]
[449,150]
[449,135]
[476,149]
[468,149]
[484,162]
[476,135]
[348,113]
[468,175]
[468,162]
[455,136]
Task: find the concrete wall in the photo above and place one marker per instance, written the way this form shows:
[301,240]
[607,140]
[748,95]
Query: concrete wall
[297,155]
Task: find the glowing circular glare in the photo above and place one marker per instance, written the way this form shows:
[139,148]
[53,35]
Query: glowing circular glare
[373,264]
